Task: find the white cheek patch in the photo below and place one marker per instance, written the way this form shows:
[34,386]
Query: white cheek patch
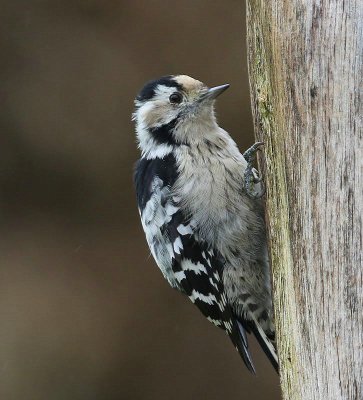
[145,110]
[158,111]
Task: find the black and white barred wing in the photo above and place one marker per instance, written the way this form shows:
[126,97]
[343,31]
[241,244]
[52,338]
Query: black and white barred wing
[153,179]
[185,261]
[198,270]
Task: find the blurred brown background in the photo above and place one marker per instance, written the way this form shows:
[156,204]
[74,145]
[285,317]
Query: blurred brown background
[84,312]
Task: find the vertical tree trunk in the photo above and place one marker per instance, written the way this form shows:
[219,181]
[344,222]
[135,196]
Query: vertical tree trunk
[306,69]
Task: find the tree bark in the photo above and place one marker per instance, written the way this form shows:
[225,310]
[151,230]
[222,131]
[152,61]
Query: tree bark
[306,69]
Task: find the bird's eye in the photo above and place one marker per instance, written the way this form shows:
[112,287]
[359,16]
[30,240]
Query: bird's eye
[175,98]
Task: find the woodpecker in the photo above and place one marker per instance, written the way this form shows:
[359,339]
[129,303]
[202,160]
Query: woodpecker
[200,208]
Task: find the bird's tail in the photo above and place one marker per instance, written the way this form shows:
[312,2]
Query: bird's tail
[265,342]
[239,339]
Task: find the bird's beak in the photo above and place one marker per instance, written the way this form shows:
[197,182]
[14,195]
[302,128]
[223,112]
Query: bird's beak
[214,92]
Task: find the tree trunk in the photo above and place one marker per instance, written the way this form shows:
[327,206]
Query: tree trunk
[306,69]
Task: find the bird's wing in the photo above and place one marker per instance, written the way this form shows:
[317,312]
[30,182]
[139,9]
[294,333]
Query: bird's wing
[185,260]
[198,270]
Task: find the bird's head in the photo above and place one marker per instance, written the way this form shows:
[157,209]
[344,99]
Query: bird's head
[175,110]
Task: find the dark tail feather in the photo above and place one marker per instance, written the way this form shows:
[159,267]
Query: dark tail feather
[239,339]
[266,344]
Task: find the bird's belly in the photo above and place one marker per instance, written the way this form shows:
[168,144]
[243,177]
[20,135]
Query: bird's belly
[235,226]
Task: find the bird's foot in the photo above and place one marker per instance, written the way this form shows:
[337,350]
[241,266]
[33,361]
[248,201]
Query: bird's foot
[251,176]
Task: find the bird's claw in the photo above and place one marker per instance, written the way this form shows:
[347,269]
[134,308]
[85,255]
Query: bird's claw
[251,176]
[250,154]
[256,177]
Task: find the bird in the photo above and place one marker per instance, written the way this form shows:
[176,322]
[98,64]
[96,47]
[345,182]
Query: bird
[199,200]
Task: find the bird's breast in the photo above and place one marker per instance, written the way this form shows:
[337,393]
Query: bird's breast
[210,190]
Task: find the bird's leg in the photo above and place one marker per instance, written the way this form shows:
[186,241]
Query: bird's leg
[251,176]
